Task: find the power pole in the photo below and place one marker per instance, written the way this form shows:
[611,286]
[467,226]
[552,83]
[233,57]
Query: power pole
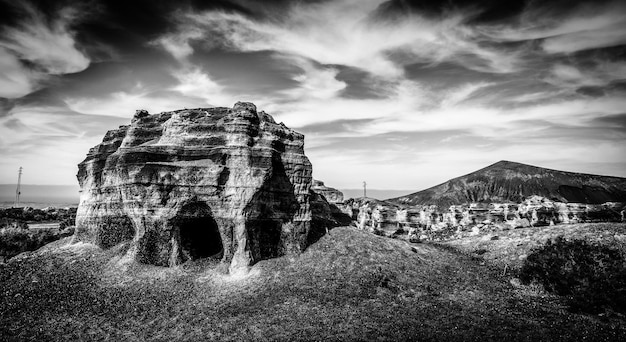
[18,191]
[364,189]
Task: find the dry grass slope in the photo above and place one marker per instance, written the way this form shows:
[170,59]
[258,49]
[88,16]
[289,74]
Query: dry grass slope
[350,285]
[511,247]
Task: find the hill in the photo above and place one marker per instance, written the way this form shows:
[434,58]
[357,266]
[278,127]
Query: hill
[348,286]
[507,181]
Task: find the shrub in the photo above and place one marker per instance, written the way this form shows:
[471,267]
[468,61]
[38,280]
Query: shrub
[593,276]
[14,241]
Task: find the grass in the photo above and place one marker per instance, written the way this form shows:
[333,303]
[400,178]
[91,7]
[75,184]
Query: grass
[591,275]
[14,241]
[348,286]
[511,247]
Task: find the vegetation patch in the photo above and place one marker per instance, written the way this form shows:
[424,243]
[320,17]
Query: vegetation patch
[14,241]
[592,275]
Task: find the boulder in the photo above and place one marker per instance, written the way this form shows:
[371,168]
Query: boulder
[227,183]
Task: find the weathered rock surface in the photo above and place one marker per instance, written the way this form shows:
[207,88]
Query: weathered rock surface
[228,183]
[332,195]
[431,222]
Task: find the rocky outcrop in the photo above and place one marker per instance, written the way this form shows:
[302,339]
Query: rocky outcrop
[422,222]
[332,195]
[227,183]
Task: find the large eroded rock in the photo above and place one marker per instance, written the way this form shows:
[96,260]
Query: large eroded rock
[211,182]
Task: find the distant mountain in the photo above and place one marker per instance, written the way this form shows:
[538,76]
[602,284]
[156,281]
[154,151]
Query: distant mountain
[507,181]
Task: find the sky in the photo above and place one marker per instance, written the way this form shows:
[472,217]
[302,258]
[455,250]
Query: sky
[401,94]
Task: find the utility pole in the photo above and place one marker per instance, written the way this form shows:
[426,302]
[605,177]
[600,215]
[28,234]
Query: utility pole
[364,189]
[18,191]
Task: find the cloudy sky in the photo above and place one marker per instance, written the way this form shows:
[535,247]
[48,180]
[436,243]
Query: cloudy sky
[401,94]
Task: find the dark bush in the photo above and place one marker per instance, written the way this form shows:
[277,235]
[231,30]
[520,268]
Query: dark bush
[379,232]
[480,251]
[593,276]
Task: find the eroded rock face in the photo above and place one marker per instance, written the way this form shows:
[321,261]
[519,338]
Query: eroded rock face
[228,183]
[332,195]
[421,222]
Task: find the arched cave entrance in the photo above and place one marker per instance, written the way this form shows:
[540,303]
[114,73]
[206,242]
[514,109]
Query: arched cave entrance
[265,238]
[199,234]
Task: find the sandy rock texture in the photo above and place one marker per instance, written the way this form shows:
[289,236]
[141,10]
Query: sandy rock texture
[227,183]
[332,195]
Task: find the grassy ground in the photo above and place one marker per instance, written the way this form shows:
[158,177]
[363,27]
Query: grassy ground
[510,248]
[350,285]
[14,241]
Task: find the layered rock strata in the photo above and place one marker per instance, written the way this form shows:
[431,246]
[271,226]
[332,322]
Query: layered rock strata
[332,195]
[430,222]
[227,183]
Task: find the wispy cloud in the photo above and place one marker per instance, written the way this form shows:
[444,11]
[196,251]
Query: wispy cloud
[581,28]
[15,79]
[49,138]
[600,74]
[125,103]
[47,44]
[342,32]
[195,83]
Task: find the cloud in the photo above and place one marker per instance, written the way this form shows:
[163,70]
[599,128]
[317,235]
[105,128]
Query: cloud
[15,80]
[584,27]
[124,104]
[343,32]
[179,45]
[195,83]
[318,83]
[47,44]
[195,88]
[601,74]
[576,41]
[52,139]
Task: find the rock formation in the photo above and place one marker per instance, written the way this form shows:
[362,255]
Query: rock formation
[332,195]
[210,182]
[431,222]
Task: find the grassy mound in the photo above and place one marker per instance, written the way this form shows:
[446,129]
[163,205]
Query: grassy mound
[348,286]
[591,274]
[508,249]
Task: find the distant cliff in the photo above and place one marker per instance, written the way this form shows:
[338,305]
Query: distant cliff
[507,181]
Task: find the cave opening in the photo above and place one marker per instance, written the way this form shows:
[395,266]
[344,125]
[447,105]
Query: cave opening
[265,238]
[269,209]
[199,233]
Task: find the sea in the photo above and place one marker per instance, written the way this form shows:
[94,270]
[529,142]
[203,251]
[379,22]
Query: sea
[40,196]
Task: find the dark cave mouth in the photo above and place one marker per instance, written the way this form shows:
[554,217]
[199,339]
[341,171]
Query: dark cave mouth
[200,238]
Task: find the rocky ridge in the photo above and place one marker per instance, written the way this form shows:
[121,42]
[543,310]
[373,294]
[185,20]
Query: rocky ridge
[506,181]
[429,222]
